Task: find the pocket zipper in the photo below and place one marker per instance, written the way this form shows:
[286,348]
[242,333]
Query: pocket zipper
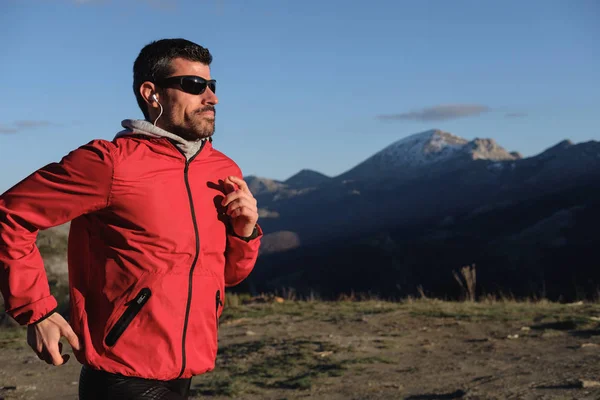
[133,308]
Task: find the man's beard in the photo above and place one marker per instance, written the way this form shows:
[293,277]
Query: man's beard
[197,128]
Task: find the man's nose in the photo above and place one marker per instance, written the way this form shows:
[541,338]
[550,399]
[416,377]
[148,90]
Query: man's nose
[209,97]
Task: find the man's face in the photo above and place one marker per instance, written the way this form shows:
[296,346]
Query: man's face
[188,115]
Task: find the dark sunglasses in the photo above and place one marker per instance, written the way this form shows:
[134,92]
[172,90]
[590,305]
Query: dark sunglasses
[189,83]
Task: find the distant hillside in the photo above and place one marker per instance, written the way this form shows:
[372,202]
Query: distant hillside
[432,202]
[545,246]
[426,175]
[260,186]
[306,178]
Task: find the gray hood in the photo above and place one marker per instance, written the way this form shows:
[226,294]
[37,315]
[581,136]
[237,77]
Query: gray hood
[142,127]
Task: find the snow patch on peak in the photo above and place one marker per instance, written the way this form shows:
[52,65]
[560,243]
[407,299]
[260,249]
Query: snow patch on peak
[421,148]
[488,149]
[434,148]
[442,140]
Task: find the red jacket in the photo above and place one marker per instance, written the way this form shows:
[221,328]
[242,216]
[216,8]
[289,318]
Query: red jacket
[150,253]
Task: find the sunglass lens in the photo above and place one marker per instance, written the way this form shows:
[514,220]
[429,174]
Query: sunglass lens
[213,86]
[193,86]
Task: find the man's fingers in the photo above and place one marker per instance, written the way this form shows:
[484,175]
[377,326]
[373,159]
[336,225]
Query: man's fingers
[243,211]
[238,212]
[44,339]
[240,182]
[231,197]
[233,194]
[45,356]
[233,208]
[229,186]
[54,352]
[71,337]
[237,204]
[55,358]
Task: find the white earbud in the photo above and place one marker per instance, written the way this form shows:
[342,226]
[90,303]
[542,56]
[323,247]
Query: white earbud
[155,98]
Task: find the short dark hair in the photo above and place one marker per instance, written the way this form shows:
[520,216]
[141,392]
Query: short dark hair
[154,62]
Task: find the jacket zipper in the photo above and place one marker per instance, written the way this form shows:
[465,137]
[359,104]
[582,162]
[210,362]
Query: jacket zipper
[191,276]
[219,303]
[133,308]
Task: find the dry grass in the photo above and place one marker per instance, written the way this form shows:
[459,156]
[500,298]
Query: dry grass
[372,349]
[259,358]
[467,281]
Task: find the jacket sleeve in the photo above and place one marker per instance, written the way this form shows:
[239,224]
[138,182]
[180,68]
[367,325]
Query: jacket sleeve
[57,193]
[241,254]
[241,257]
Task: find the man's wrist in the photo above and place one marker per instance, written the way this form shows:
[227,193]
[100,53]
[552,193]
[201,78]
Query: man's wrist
[253,235]
[44,317]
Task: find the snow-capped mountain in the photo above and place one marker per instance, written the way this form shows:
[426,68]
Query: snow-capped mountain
[425,149]
[430,203]
[405,183]
[419,149]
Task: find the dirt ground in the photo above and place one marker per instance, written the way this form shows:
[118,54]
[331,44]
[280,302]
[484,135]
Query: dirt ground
[423,349]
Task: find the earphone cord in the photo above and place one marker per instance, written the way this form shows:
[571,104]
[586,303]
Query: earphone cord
[161,112]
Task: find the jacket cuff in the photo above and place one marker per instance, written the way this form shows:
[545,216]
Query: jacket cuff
[44,317]
[257,232]
[35,311]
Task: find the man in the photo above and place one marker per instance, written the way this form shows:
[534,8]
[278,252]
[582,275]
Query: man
[161,224]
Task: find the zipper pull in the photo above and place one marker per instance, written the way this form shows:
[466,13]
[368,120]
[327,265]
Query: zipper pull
[140,298]
[219,302]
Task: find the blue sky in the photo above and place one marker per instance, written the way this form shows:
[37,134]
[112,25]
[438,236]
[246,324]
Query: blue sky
[305,84]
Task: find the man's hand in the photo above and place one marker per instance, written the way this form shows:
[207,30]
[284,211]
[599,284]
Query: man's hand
[241,206]
[44,338]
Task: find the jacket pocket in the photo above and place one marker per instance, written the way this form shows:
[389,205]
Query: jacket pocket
[219,303]
[132,309]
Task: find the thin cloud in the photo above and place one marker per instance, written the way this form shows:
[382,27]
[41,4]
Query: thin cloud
[22,125]
[439,113]
[515,115]
[4,129]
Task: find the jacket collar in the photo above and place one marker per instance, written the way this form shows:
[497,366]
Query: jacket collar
[141,127]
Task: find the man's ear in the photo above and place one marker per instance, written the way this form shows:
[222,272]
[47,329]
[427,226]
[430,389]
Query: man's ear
[148,90]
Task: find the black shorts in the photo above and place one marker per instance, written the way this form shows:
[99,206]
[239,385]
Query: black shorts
[100,385]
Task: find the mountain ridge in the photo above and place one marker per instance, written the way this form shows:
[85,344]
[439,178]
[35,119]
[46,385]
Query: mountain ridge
[470,175]
[306,178]
[415,150]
